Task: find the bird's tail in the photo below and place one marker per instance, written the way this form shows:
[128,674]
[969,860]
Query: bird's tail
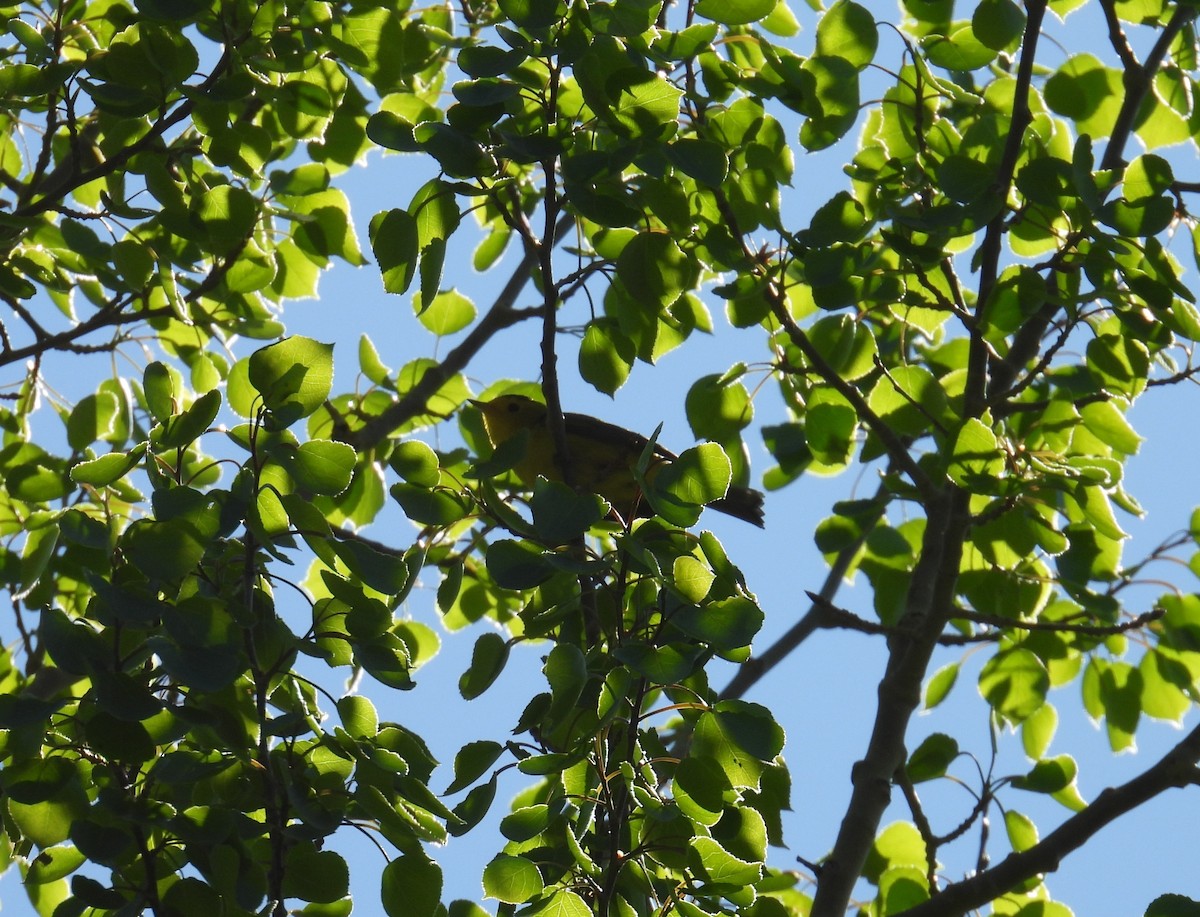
[742,503]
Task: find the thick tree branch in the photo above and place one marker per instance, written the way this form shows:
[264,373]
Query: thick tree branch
[1138,80]
[928,606]
[1175,769]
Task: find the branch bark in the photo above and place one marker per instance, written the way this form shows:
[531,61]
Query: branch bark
[501,315]
[1177,768]
[927,608]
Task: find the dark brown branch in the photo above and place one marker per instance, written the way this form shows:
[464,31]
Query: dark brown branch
[1138,80]
[1091,630]
[749,672]
[1177,768]
[990,248]
[78,176]
[896,448]
[501,315]
[830,615]
[1116,36]
[922,822]
[928,605]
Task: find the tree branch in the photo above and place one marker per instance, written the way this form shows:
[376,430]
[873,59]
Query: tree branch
[1138,79]
[928,606]
[1177,768]
[897,450]
[749,672]
[500,316]
[990,248]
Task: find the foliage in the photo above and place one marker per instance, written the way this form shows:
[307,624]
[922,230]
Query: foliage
[971,317]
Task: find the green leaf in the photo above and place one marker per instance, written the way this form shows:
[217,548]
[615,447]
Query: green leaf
[847,346]
[393,237]
[897,846]
[961,49]
[487,662]
[1022,832]
[411,886]
[660,665]
[315,875]
[698,476]
[1108,423]
[908,399]
[734,12]
[458,153]
[435,211]
[1038,730]
[185,428]
[472,762]
[655,270]
[718,408]
[564,903]
[165,550]
[54,863]
[416,462]
[473,808]
[107,469]
[294,377]
[1121,698]
[996,24]
[716,864]
[91,419]
[567,673]
[449,312]
[1014,682]
[692,578]
[1051,775]
[429,507]
[740,737]
[320,465]
[382,571]
[701,789]
[511,879]
[848,30]
[605,355]
[977,460]
[932,757]
[560,514]
[727,624]
[832,84]
[358,716]
[370,364]
[703,160]
[517,564]
[1173,906]
[44,798]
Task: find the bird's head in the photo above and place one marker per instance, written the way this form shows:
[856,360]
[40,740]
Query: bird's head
[507,415]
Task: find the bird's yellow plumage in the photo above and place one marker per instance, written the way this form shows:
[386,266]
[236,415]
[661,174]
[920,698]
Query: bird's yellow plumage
[603,456]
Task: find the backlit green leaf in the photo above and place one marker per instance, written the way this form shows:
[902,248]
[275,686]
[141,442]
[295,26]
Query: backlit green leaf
[293,376]
[511,879]
[411,886]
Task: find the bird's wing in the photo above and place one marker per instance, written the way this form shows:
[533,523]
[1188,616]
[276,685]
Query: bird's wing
[586,427]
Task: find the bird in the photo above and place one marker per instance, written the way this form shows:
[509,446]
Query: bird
[603,456]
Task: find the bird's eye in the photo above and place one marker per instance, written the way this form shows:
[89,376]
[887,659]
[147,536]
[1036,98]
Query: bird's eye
[513,407]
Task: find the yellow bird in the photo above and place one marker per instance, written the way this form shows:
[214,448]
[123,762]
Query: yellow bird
[603,456]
